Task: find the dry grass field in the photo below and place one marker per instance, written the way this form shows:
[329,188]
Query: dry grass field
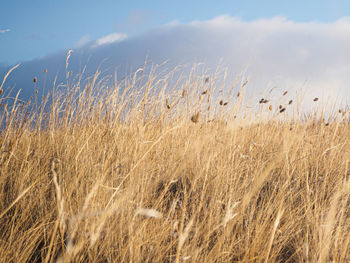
[143,173]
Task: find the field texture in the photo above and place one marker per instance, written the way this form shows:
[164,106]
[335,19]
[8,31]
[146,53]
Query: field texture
[141,172]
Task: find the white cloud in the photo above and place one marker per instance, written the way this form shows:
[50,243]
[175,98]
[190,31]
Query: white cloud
[277,52]
[4,30]
[111,38]
[82,41]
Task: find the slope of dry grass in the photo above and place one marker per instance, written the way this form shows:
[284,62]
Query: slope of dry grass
[103,175]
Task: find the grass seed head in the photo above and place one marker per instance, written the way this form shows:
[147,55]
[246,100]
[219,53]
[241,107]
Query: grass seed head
[195,117]
[263,101]
[167,104]
[146,212]
[245,83]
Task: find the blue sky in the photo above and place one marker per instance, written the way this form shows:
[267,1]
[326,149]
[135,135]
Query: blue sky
[35,28]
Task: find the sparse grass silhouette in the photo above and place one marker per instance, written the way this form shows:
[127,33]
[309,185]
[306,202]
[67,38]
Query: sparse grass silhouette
[143,173]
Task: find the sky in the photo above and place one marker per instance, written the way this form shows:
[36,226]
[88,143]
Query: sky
[284,44]
[31,29]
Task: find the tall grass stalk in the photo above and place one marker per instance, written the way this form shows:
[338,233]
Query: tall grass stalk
[156,169]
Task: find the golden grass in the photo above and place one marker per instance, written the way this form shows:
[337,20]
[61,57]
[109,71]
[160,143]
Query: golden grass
[123,175]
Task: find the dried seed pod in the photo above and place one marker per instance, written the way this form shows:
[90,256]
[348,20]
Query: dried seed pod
[285,93]
[167,104]
[238,94]
[195,117]
[282,110]
[45,70]
[225,103]
[270,108]
[35,79]
[245,83]
[206,80]
[1,91]
[204,92]
[280,106]
[221,102]
[315,99]
[290,102]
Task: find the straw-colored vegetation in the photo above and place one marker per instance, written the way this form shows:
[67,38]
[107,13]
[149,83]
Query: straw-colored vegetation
[155,170]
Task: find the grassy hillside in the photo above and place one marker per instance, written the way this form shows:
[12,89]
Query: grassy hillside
[171,175]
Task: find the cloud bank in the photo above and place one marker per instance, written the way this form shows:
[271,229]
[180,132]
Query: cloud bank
[82,41]
[275,53]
